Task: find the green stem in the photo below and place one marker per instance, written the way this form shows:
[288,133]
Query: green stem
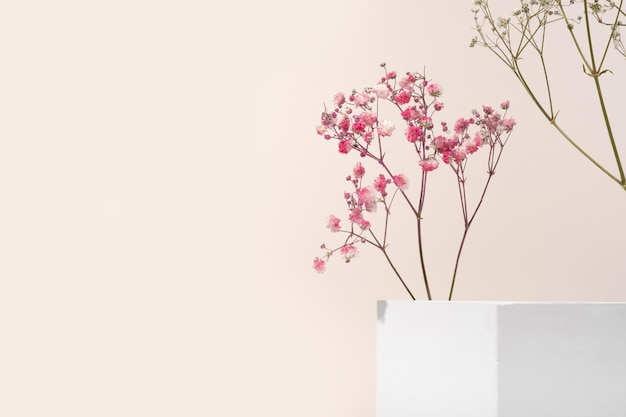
[622,180]
[585,154]
[595,73]
[552,120]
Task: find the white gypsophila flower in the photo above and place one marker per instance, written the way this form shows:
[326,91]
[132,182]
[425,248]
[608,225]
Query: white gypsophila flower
[381,91]
[386,127]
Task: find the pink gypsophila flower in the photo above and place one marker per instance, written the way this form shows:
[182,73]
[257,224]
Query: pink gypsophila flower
[426,122]
[461,125]
[355,216]
[364,224]
[508,124]
[472,145]
[339,99]
[380,184]
[407,81]
[359,125]
[434,89]
[429,164]
[410,113]
[333,223]
[493,123]
[343,122]
[459,154]
[349,251]
[358,171]
[505,105]
[345,146]
[401,181]
[402,98]
[367,199]
[368,118]
[319,265]
[361,99]
[413,134]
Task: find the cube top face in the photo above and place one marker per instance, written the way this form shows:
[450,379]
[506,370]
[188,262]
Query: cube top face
[504,359]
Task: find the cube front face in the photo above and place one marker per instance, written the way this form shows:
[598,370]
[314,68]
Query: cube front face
[435,359]
[501,359]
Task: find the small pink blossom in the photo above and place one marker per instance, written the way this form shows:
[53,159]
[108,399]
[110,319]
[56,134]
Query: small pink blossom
[493,123]
[413,134]
[391,75]
[358,171]
[429,164]
[345,146]
[407,81]
[343,123]
[402,97]
[333,223]
[438,105]
[339,99]
[426,122]
[361,99]
[472,145]
[410,113]
[434,89]
[355,216]
[319,265]
[368,118]
[505,105]
[401,181]
[364,224]
[359,125]
[461,125]
[349,251]
[367,198]
[380,184]
[459,154]
[508,124]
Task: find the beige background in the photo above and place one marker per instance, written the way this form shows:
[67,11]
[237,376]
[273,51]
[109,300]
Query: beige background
[163,194]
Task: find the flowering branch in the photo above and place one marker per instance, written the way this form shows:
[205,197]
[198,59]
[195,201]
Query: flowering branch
[355,125]
[513,38]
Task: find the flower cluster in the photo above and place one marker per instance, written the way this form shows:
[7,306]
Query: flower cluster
[355,124]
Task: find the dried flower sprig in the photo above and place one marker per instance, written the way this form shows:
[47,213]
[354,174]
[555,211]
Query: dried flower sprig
[593,27]
[354,123]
